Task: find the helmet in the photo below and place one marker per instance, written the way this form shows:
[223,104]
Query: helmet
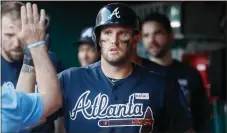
[86,36]
[115,14]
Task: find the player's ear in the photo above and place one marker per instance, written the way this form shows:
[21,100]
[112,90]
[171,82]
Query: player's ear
[171,36]
[100,44]
[136,39]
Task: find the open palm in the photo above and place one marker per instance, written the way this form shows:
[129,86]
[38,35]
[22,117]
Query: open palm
[33,25]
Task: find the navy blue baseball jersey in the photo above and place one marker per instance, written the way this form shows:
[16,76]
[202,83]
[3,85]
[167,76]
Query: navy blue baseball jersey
[165,71]
[192,87]
[11,72]
[58,64]
[94,103]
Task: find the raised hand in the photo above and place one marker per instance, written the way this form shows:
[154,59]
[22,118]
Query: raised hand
[33,24]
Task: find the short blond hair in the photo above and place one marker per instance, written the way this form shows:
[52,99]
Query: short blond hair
[12,8]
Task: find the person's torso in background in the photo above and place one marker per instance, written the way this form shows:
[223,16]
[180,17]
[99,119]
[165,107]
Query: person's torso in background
[192,87]
[179,72]
[10,71]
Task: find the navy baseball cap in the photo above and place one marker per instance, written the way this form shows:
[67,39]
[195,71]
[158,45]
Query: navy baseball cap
[85,37]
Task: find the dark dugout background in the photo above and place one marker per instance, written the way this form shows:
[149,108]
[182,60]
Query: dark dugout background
[68,18]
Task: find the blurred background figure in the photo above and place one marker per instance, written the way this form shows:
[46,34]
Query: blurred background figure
[157,37]
[12,53]
[87,52]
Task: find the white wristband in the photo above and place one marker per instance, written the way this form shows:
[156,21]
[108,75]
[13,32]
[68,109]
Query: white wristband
[36,44]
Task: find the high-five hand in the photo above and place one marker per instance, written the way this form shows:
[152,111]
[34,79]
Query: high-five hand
[33,25]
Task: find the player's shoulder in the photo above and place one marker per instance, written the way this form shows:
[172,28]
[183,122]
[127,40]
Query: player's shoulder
[147,73]
[93,66]
[150,78]
[185,68]
[80,70]
[147,62]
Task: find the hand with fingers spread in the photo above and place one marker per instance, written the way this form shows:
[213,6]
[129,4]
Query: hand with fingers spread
[33,25]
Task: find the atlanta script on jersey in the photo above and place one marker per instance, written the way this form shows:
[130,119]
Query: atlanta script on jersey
[93,104]
[115,115]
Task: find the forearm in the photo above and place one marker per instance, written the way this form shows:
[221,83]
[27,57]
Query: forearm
[38,124]
[26,81]
[49,86]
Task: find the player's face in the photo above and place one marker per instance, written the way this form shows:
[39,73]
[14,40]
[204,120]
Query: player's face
[156,40]
[116,44]
[11,47]
[87,54]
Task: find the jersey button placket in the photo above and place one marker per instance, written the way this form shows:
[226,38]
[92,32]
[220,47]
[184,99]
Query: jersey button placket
[114,94]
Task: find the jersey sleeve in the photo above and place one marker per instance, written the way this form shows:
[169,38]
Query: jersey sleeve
[176,110]
[19,109]
[63,82]
[64,79]
[199,104]
[60,111]
[31,108]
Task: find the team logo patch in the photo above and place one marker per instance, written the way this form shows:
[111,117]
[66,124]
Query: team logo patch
[114,115]
[115,13]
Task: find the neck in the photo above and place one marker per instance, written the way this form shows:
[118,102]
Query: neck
[136,59]
[163,61]
[116,72]
[134,56]
[4,56]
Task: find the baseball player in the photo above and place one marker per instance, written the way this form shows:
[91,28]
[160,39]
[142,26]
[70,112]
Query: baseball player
[13,57]
[172,83]
[157,37]
[20,109]
[115,95]
[87,53]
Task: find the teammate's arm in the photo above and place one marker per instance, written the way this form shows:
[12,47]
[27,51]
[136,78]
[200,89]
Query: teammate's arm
[33,30]
[26,84]
[19,109]
[26,80]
